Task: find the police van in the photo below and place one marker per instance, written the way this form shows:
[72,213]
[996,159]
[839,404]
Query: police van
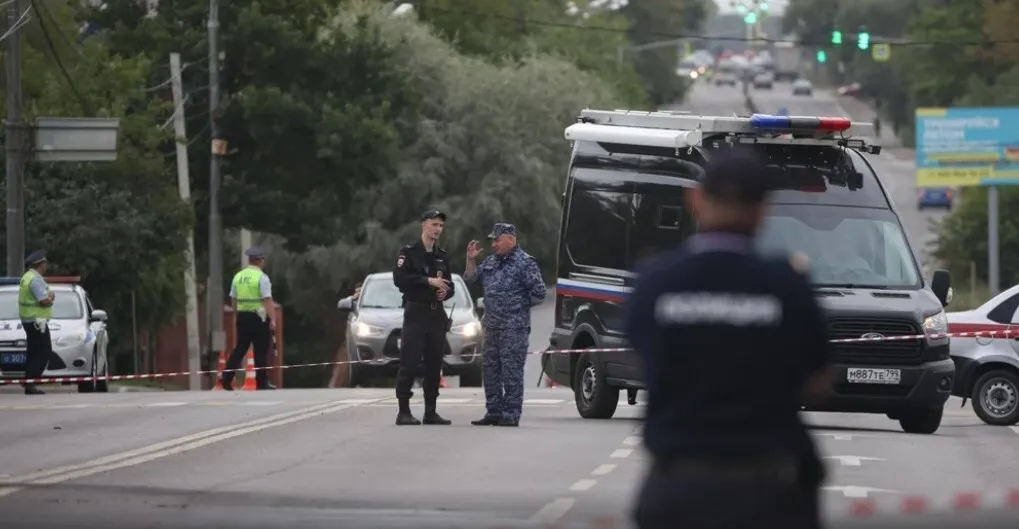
[624,202]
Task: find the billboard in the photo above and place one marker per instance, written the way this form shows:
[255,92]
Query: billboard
[966,147]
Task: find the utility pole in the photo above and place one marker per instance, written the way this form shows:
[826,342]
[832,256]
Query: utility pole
[184,184]
[215,285]
[15,145]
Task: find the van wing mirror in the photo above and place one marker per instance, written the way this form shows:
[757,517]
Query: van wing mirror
[98,315]
[941,285]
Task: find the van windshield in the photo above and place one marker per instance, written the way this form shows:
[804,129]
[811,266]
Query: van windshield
[847,246]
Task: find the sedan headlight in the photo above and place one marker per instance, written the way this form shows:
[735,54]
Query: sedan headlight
[363,330]
[467,330]
[936,324]
[71,340]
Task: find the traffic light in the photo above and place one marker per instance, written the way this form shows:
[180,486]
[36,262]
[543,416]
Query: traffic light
[836,37]
[751,18]
[863,40]
[764,6]
[741,9]
[822,56]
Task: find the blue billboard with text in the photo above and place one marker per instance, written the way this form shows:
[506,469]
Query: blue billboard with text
[965,147]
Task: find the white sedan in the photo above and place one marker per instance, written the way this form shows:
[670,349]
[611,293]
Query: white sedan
[987,365]
[78,332]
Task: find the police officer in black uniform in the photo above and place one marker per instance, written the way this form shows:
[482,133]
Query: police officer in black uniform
[422,274]
[733,344]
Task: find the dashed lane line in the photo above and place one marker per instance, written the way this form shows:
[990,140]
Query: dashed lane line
[553,510]
[621,453]
[583,484]
[603,469]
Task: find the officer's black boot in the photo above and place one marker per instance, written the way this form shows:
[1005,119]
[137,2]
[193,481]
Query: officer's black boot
[431,417]
[405,417]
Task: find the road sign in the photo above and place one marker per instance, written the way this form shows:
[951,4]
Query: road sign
[881,52]
[970,147]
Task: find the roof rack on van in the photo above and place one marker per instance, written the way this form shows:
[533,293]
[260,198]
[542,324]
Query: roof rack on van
[681,130]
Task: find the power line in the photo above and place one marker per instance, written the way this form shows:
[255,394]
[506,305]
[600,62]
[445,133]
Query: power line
[85,106]
[586,27]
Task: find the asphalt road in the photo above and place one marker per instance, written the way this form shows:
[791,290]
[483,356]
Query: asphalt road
[333,458]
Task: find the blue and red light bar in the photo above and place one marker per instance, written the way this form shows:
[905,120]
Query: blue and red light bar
[769,122]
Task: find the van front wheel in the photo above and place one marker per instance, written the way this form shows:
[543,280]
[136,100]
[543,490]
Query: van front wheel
[595,398]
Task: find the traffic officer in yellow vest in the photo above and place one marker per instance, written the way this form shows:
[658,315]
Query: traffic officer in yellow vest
[35,308]
[251,292]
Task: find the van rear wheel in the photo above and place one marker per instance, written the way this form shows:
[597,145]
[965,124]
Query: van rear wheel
[595,398]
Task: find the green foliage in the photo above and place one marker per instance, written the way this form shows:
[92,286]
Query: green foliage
[121,225]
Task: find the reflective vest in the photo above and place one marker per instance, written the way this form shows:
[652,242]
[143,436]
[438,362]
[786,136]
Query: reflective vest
[28,307]
[249,295]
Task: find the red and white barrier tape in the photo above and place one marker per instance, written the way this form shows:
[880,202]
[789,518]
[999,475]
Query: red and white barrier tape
[900,504]
[56,380]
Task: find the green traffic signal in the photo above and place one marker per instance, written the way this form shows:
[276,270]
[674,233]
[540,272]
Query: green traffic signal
[764,6]
[821,56]
[863,40]
[751,18]
[836,37]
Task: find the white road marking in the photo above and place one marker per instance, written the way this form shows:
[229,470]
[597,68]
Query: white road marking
[165,404]
[451,401]
[261,403]
[853,461]
[68,406]
[544,401]
[1014,429]
[355,401]
[854,491]
[583,484]
[620,453]
[603,469]
[164,449]
[553,510]
[631,441]
[843,436]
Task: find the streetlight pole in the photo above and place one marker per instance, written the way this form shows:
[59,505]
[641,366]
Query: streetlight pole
[16,144]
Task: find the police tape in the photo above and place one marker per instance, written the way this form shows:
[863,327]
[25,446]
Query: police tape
[1005,333]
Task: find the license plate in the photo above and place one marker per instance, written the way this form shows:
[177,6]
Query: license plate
[13,358]
[861,375]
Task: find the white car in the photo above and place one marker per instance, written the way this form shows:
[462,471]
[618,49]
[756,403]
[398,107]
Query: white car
[802,87]
[77,329]
[987,368]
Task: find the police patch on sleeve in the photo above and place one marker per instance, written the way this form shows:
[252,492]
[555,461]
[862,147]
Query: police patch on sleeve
[400,259]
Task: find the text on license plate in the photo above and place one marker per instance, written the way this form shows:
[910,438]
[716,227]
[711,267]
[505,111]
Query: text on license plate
[862,375]
[13,358]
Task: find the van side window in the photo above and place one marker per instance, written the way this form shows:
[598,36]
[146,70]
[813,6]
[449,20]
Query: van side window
[596,233]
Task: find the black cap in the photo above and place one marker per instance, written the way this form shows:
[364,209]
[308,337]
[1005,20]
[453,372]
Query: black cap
[738,176]
[433,214]
[36,257]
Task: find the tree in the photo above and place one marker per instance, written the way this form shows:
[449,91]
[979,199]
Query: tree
[120,225]
[485,144]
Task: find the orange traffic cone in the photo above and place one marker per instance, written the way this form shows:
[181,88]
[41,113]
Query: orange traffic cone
[249,373]
[220,367]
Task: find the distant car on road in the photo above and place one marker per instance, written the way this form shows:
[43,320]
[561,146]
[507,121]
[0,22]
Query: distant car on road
[987,369]
[935,197]
[764,80]
[77,329]
[375,323]
[803,87]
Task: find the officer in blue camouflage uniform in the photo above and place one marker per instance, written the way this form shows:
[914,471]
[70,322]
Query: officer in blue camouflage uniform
[512,284]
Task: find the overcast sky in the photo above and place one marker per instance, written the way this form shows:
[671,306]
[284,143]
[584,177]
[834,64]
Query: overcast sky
[775,6]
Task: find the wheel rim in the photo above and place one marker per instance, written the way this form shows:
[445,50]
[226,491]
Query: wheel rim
[587,383]
[999,397]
